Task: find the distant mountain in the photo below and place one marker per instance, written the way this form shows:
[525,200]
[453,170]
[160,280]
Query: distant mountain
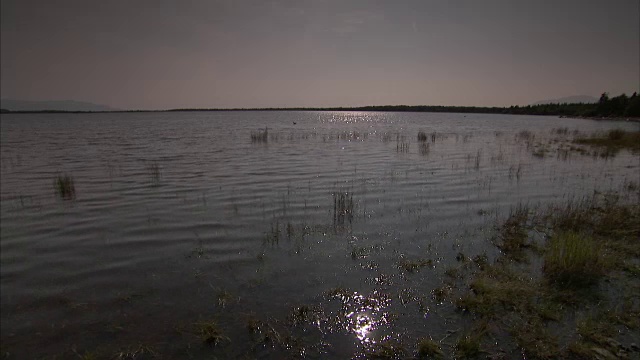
[569,100]
[60,105]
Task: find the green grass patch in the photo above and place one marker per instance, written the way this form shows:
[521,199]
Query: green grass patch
[574,259]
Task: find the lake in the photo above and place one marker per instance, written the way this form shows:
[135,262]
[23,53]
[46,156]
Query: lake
[265,234]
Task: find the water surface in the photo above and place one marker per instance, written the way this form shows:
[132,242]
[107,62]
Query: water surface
[182,218]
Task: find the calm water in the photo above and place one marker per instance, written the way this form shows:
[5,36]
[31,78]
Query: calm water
[180,218]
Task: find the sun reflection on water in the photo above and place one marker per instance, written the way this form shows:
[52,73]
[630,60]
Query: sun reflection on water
[364,324]
[362,315]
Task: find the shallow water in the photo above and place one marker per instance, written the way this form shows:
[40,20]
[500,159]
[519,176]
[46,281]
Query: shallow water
[180,218]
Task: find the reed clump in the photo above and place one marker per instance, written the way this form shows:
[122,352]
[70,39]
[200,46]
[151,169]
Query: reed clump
[422,136]
[153,171]
[342,208]
[468,346]
[210,333]
[261,136]
[65,186]
[429,349]
[574,259]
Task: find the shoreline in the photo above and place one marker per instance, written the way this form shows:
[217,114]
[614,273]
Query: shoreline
[604,118]
[359,109]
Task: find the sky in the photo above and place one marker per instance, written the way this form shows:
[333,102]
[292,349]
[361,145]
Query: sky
[156,54]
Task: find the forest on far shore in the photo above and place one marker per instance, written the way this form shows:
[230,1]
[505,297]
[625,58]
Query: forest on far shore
[621,106]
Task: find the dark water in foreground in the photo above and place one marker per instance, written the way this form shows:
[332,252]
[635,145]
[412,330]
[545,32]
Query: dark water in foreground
[181,219]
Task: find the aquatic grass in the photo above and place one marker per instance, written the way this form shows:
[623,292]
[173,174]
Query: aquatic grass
[388,348]
[560,131]
[304,314]
[613,140]
[481,261]
[273,236]
[364,251]
[525,135]
[424,148]
[402,147]
[342,208]
[513,236]
[477,160]
[210,333]
[496,289]
[468,345]
[139,351]
[422,136]
[597,333]
[261,136]
[440,294]
[429,349]
[540,152]
[413,266]
[153,172]
[224,298]
[65,186]
[574,258]
[515,171]
[535,339]
[583,241]
[290,231]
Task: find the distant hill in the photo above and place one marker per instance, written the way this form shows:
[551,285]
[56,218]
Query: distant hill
[59,105]
[586,99]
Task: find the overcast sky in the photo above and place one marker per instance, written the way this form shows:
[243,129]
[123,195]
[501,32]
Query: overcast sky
[138,54]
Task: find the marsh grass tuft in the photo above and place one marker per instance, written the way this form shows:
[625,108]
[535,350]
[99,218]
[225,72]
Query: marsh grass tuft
[429,349]
[424,148]
[402,147]
[273,236]
[468,346]
[65,187]
[574,258]
[210,333]
[342,208]
[513,237]
[153,171]
[261,136]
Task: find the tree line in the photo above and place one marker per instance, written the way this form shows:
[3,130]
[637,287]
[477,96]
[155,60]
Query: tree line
[619,106]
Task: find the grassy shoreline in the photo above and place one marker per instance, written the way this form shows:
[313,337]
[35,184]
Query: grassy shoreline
[566,284]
